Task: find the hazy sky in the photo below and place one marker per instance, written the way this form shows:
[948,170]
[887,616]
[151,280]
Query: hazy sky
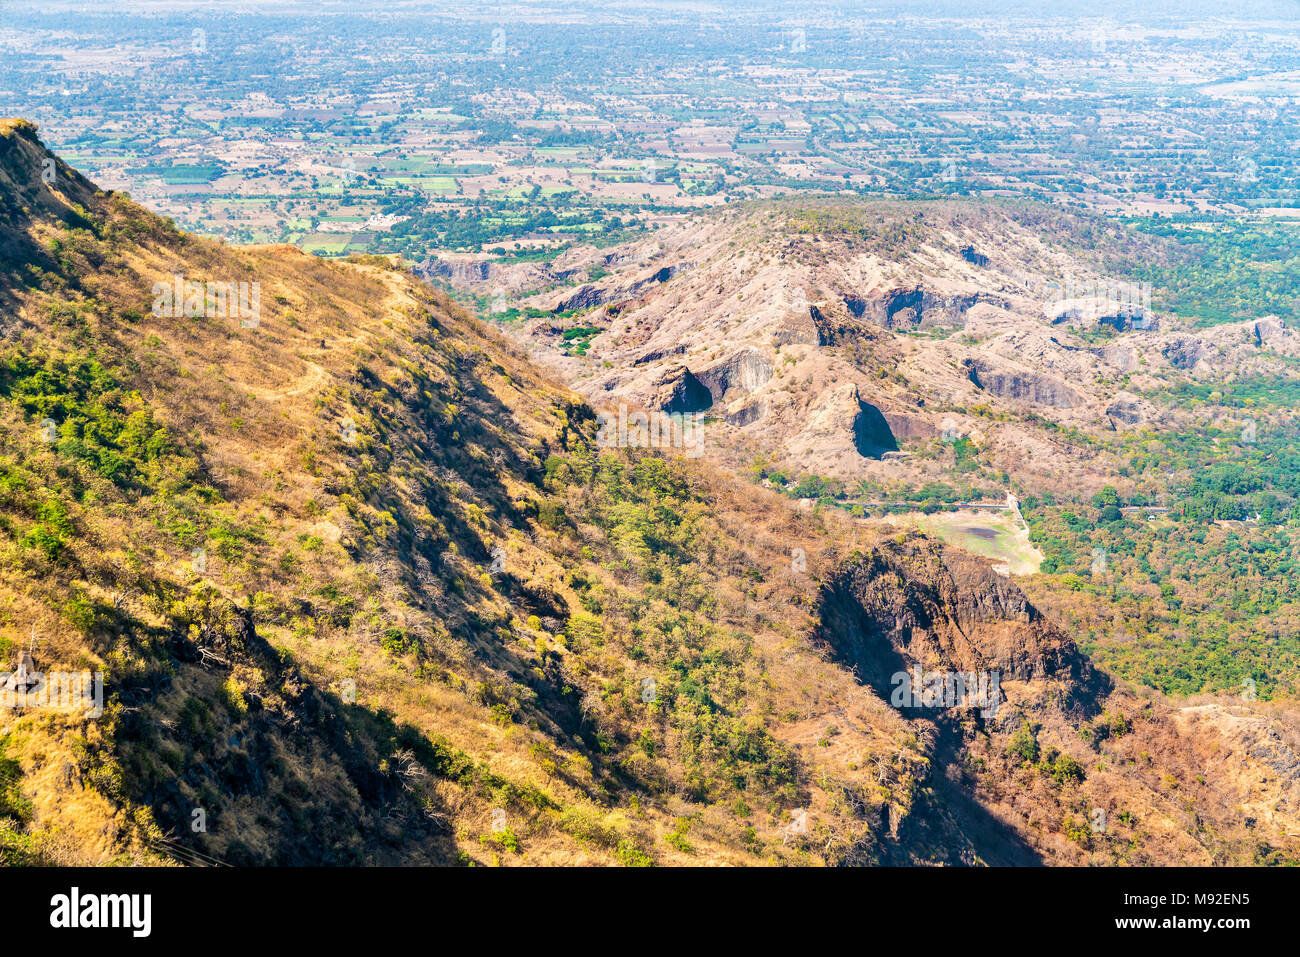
[1124,9]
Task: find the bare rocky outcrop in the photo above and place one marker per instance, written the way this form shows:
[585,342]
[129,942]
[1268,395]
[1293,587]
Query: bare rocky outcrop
[916,308]
[1122,357]
[598,294]
[1127,410]
[920,603]
[1098,311]
[909,428]
[458,273]
[501,276]
[800,329]
[872,436]
[655,355]
[844,426]
[587,297]
[1021,385]
[836,324]
[677,391]
[742,372]
[1268,330]
[746,413]
[1184,352]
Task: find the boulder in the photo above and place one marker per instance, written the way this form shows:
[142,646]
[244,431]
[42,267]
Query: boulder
[676,391]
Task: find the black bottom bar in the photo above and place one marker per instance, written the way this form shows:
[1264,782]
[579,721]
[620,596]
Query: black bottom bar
[333,907]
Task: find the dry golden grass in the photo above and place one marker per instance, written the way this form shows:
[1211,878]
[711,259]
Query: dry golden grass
[337,563]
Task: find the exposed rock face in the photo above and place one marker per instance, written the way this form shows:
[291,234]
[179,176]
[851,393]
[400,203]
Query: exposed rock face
[1021,385]
[910,427]
[837,325]
[916,308]
[919,603]
[1042,354]
[593,295]
[466,273]
[1268,329]
[1249,347]
[1120,356]
[677,391]
[1093,312]
[742,372]
[798,330]
[1127,409]
[1184,352]
[510,279]
[872,436]
[587,297]
[747,414]
[656,354]
[844,425]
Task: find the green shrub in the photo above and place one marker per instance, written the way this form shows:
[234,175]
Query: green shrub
[1024,745]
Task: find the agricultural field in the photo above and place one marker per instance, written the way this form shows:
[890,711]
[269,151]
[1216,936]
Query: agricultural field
[996,535]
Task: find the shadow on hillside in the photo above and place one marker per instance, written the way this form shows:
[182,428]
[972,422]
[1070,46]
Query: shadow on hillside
[950,827]
[306,780]
[480,449]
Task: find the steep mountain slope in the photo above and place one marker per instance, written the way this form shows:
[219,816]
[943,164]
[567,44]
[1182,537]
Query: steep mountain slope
[360,586]
[1068,768]
[364,589]
[981,371]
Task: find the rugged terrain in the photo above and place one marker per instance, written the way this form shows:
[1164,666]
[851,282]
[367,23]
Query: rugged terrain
[824,334]
[916,363]
[363,589]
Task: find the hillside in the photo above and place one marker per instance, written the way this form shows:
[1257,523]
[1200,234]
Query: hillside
[364,590]
[384,494]
[914,362]
[823,334]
